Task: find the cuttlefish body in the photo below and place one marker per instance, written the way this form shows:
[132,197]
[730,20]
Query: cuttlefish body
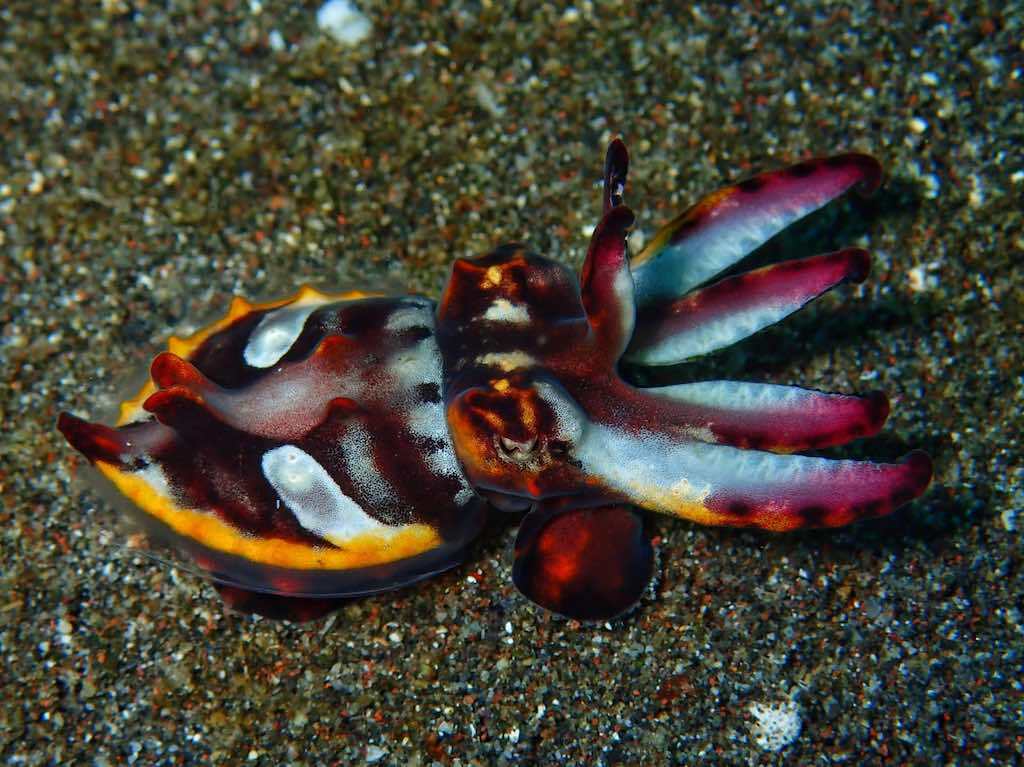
[326,446]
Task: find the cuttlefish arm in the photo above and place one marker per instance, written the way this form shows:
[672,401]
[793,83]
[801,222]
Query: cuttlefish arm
[729,224]
[616,169]
[606,285]
[735,308]
[718,484]
[780,419]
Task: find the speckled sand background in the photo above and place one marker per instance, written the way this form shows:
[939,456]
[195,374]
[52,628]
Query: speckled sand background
[157,158]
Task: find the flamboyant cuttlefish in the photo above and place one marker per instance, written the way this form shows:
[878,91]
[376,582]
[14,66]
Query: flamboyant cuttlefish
[325,446]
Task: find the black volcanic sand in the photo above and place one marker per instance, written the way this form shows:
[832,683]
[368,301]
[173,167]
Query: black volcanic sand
[155,162]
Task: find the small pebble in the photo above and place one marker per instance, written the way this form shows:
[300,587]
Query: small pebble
[917,125]
[344,22]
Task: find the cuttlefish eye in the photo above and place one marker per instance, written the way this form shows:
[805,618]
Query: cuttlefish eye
[516,451]
[509,431]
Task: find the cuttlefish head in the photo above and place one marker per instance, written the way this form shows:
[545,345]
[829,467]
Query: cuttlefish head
[518,435]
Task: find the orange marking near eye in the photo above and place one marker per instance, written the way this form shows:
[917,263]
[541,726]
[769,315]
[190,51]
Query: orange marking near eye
[492,278]
[528,411]
[493,419]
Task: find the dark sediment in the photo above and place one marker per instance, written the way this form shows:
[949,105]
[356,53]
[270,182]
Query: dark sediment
[154,162]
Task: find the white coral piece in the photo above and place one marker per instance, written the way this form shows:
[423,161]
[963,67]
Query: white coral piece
[775,725]
[343,21]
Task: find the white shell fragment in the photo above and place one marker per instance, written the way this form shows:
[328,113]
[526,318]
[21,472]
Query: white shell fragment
[776,725]
[343,21]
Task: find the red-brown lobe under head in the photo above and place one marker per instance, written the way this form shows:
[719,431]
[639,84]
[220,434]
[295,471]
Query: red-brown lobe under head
[589,564]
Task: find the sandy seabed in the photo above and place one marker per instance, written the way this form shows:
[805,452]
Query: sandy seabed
[159,157]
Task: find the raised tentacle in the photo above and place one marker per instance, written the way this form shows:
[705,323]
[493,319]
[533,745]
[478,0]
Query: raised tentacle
[590,563]
[726,226]
[606,285]
[616,168]
[737,307]
[724,485]
[781,419]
